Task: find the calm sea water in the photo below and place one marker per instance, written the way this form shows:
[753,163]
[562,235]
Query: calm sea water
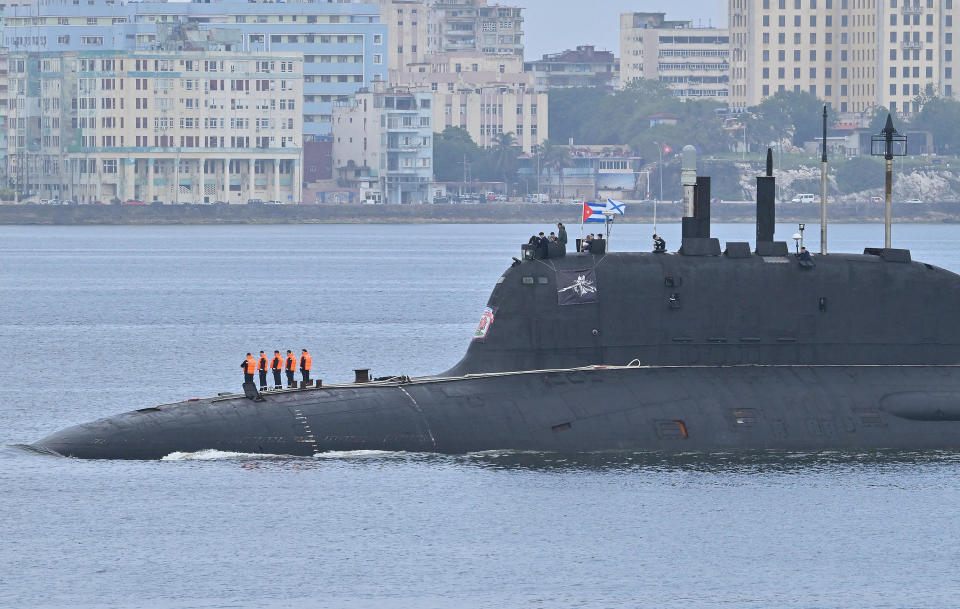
[100,320]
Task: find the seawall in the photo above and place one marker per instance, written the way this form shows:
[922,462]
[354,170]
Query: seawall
[492,213]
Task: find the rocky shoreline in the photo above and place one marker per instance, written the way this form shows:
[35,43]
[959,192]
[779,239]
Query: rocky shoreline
[485,213]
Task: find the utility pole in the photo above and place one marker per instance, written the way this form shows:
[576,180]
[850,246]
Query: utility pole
[538,171]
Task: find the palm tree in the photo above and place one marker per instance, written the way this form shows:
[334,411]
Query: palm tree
[505,153]
[557,157]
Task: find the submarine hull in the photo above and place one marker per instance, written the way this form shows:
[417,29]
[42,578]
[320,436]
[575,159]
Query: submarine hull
[658,408]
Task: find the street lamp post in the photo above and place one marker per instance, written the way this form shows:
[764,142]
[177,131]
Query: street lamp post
[889,143]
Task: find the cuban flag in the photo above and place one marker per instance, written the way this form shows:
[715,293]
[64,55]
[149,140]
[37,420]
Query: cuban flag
[593,212]
[616,207]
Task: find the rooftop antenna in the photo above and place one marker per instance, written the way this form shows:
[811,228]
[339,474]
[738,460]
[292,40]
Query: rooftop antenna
[823,187]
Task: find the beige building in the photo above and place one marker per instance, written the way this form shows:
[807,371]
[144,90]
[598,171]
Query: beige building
[485,94]
[417,29]
[693,61]
[170,126]
[383,144]
[407,24]
[854,54]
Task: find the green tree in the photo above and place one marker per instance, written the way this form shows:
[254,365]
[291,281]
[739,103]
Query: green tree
[555,159]
[859,173]
[878,119]
[451,149]
[940,116]
[798,114]
[504,155]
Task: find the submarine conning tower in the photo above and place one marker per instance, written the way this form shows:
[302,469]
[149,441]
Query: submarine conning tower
[708,306]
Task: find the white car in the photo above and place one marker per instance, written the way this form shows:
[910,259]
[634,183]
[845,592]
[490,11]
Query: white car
[804,198]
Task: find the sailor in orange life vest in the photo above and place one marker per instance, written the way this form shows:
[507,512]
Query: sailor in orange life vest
[305,362]
[249,366]
[291,367]
[276,365]
[262,369]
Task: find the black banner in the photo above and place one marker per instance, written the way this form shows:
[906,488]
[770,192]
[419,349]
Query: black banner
[577,287]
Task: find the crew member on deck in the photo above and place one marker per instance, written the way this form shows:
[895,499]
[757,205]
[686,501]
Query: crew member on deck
[262,369]
[659,245]
[305,362]
[291,368]
[249,365]
[562,235]
[276,365]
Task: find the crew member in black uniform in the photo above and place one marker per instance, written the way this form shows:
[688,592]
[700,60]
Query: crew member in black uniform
[659,245]
[249,366]
[276,365]
[262,369]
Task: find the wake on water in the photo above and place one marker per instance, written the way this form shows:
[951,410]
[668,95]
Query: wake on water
[220,455]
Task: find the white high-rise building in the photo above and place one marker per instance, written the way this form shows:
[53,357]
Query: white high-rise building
[854,54]
[693,61]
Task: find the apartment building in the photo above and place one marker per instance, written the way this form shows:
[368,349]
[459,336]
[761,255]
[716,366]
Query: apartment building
[418,28]
[344,45]
[473,25]
[176,126]
[407,22]
[384,144]
[854,54]
[484,94]
[693,61]
[581,67]
[4,99]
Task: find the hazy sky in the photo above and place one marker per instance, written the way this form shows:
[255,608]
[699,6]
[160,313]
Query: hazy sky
[551,26]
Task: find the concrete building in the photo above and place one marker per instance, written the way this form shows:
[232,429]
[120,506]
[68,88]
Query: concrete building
[484,94]
[583,67]
[344,45]
[473,25]
[383,144]
[853,54]
[693,61]
[189,124]
[591,173]
[4,100]
[407,23]
[420,28]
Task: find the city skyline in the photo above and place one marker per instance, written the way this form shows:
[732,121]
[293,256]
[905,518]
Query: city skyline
[552,26]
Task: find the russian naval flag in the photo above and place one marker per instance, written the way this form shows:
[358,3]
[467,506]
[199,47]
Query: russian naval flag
[616,207]
[593,212]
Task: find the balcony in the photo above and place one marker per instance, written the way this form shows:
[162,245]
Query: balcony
[911,10]
[911,44]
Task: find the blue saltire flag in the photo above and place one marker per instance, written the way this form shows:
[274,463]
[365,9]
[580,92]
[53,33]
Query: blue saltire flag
[616,207]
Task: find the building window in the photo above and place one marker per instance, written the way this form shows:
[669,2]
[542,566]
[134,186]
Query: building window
[377,58]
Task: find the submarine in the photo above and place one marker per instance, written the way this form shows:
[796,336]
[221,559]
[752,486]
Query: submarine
[705,349]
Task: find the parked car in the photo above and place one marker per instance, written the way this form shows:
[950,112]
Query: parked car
[133,202]
[156,203]
[876,199]
[274,202]
[255,202]
[913,201]
[804,198]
